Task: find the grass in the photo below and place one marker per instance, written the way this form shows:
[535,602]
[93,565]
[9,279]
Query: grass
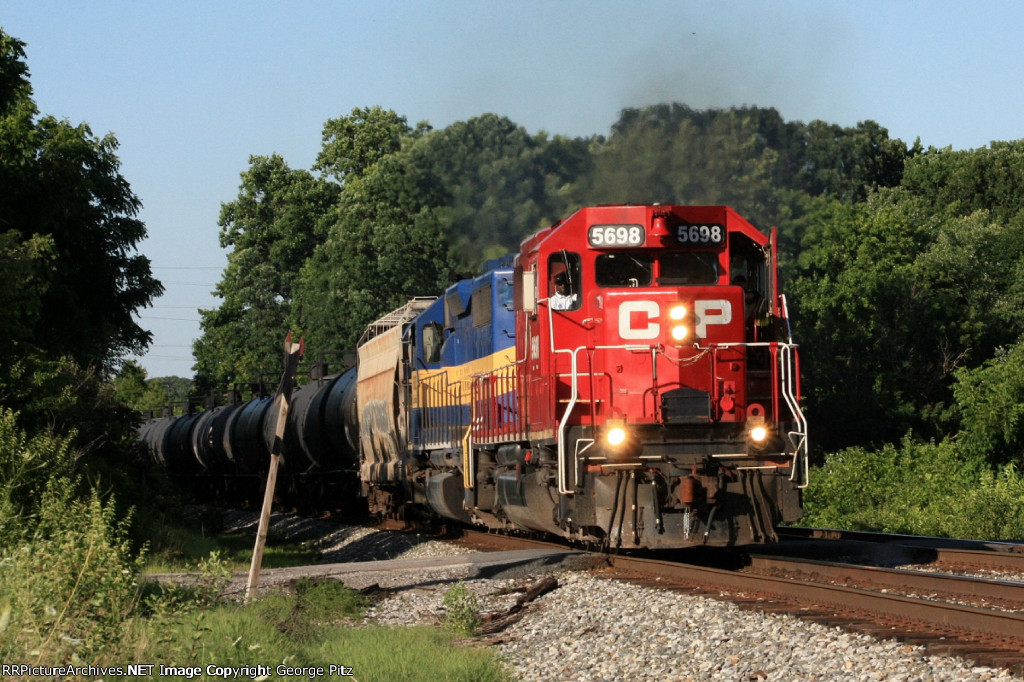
[316,626]
[69,595]
[180,549]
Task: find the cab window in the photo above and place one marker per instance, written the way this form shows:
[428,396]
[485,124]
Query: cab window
[564,280]
[689,267]
[623,270]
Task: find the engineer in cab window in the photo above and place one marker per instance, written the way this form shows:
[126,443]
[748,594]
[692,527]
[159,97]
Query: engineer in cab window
[564,297]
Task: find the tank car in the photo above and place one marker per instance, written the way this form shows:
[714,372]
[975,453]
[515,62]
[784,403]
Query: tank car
[222,453]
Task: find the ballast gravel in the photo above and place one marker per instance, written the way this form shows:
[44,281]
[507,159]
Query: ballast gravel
[598,629]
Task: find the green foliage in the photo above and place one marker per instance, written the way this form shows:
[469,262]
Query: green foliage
[990,399]
[675,154]
[70,280]
[994,509]
[26,464]
[132,388]
[73,584]
[385,245]
[22,283]
[747,157]
[313,627]
[272,228]
[498,183]
[353,144]
[70,230]
[847,163]
[326,600]
[61,398]
[461,610]
[178,549]
[963,182]
[916,488]
[410,653]
[14,84]
[895,294]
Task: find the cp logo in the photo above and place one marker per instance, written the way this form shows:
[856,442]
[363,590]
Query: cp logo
[641,320]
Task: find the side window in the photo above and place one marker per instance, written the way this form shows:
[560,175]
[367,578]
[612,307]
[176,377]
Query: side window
[433,338]
[623,270]
[564,290]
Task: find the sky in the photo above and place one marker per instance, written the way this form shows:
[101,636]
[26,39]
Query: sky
[192,89]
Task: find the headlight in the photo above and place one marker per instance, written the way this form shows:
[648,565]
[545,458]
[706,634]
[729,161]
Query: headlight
[678,317]
[619,441]
[758,434]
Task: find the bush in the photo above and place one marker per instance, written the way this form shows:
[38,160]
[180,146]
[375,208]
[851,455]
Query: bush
[25,467]
[461,610]
[72,586]
[917,488]
[993,510]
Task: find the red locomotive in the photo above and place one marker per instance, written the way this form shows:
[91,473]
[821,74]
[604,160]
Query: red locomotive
[653,400]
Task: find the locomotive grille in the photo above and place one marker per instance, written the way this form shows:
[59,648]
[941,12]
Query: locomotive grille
[686,406]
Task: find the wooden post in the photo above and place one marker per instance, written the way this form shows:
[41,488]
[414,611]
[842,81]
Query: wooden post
[293,352]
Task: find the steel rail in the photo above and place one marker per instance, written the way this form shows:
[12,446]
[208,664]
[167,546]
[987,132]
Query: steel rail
[937,614]
[1007,556]
[897,578]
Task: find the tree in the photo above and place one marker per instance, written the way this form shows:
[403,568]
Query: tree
[990,400]
[848,163]
[354,143]
[441,202]
[963,182]
[386,244]
[675,154]
[68,219]
[746,157]
[272,228]
[142,394]
[894,296]
[499,183]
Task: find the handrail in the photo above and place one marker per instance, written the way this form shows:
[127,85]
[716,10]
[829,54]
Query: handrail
[436,412]
[799,436]
[563,424]
[786,359]
[786,368]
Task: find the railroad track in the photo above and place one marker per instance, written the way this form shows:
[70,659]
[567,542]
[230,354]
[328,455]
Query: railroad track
[979,619]
[955,554]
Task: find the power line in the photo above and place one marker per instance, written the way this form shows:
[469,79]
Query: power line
[172,319]
[186,267]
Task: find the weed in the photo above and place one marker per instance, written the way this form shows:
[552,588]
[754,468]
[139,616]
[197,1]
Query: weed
[461,610]
[72,586]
